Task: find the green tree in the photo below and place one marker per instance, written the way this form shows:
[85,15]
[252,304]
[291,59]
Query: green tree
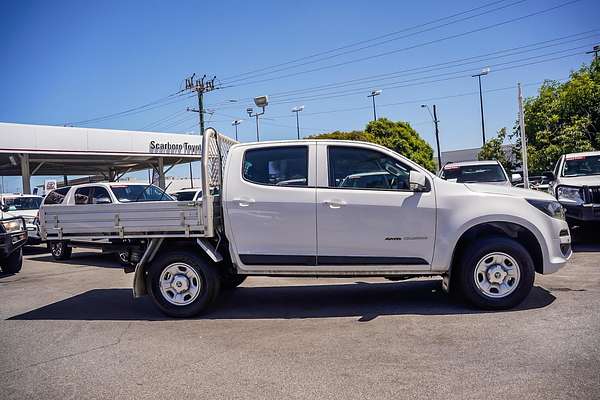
[563,118]
[492,150]
[398,136]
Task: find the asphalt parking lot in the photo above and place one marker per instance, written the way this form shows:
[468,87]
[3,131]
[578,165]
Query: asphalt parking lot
[72,330]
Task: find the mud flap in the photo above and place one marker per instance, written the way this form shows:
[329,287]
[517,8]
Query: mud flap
[139,277]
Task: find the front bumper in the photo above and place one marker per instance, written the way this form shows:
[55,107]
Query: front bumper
[9,242]
[584,212]
[33,234]
[559,247]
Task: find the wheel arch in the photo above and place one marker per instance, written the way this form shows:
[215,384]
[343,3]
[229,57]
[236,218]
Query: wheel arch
[168,245]
[514,230]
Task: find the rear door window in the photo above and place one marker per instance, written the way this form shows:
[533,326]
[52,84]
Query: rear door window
[277,166]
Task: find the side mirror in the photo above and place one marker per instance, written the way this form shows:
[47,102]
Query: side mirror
[417,181]
[4,208]
[102,200]
[516,178]
[549,175]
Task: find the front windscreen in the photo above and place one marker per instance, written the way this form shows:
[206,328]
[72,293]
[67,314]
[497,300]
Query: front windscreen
[136,193]
[474,173]
[581,166]
[23,203]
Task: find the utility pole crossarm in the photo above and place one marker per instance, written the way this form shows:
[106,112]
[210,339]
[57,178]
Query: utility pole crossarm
[200,86]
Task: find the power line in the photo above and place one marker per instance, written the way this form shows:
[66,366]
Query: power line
[444,65]
[463,73]
[432,78]
[163,101]
[480,58]
[417,101]
[454,36]
[364,41]
[379,43]
[160,121]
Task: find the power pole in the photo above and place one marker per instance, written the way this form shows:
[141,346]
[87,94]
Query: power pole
[437,136]
[200,86]
[594,51]
[523,138]
[437,132]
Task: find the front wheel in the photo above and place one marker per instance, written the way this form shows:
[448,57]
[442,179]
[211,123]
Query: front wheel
[495,273]
[60,250]
[13,263]
[182,284]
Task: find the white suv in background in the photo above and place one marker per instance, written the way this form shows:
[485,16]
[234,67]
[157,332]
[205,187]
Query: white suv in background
[489,172]
[26,206]
[576,185]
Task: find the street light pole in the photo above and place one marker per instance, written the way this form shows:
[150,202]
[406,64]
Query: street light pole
[437,132]
[236,123]
[262,102]
[297,110]
[483,72]
[372,96]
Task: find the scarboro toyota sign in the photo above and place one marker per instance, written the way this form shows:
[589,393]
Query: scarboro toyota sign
[174,148]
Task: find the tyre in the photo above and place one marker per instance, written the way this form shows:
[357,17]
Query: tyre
[231,281]
[13,263]
[494,273]
[182,284]
[60,250]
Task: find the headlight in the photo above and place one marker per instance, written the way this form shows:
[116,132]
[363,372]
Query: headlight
[569,194]
[549,207]
[13,225]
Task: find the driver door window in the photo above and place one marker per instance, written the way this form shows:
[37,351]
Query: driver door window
[359,168]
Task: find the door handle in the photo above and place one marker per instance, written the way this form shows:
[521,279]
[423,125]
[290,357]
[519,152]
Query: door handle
[334,203]
[244,202]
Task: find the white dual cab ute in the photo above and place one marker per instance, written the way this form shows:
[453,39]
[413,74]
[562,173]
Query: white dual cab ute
[286,209]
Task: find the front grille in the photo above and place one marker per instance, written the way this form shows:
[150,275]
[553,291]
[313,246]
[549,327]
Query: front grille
[593,195]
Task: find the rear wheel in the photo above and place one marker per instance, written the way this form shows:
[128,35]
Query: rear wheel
[60,250]
[182,284]
[495,273]
[13,263]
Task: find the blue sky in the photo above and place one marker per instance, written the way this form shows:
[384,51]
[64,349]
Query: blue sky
[70,61]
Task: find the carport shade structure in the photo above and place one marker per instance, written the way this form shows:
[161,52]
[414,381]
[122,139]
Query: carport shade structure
[28,150]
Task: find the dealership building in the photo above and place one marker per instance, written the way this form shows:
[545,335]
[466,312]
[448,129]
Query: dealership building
[27,150]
